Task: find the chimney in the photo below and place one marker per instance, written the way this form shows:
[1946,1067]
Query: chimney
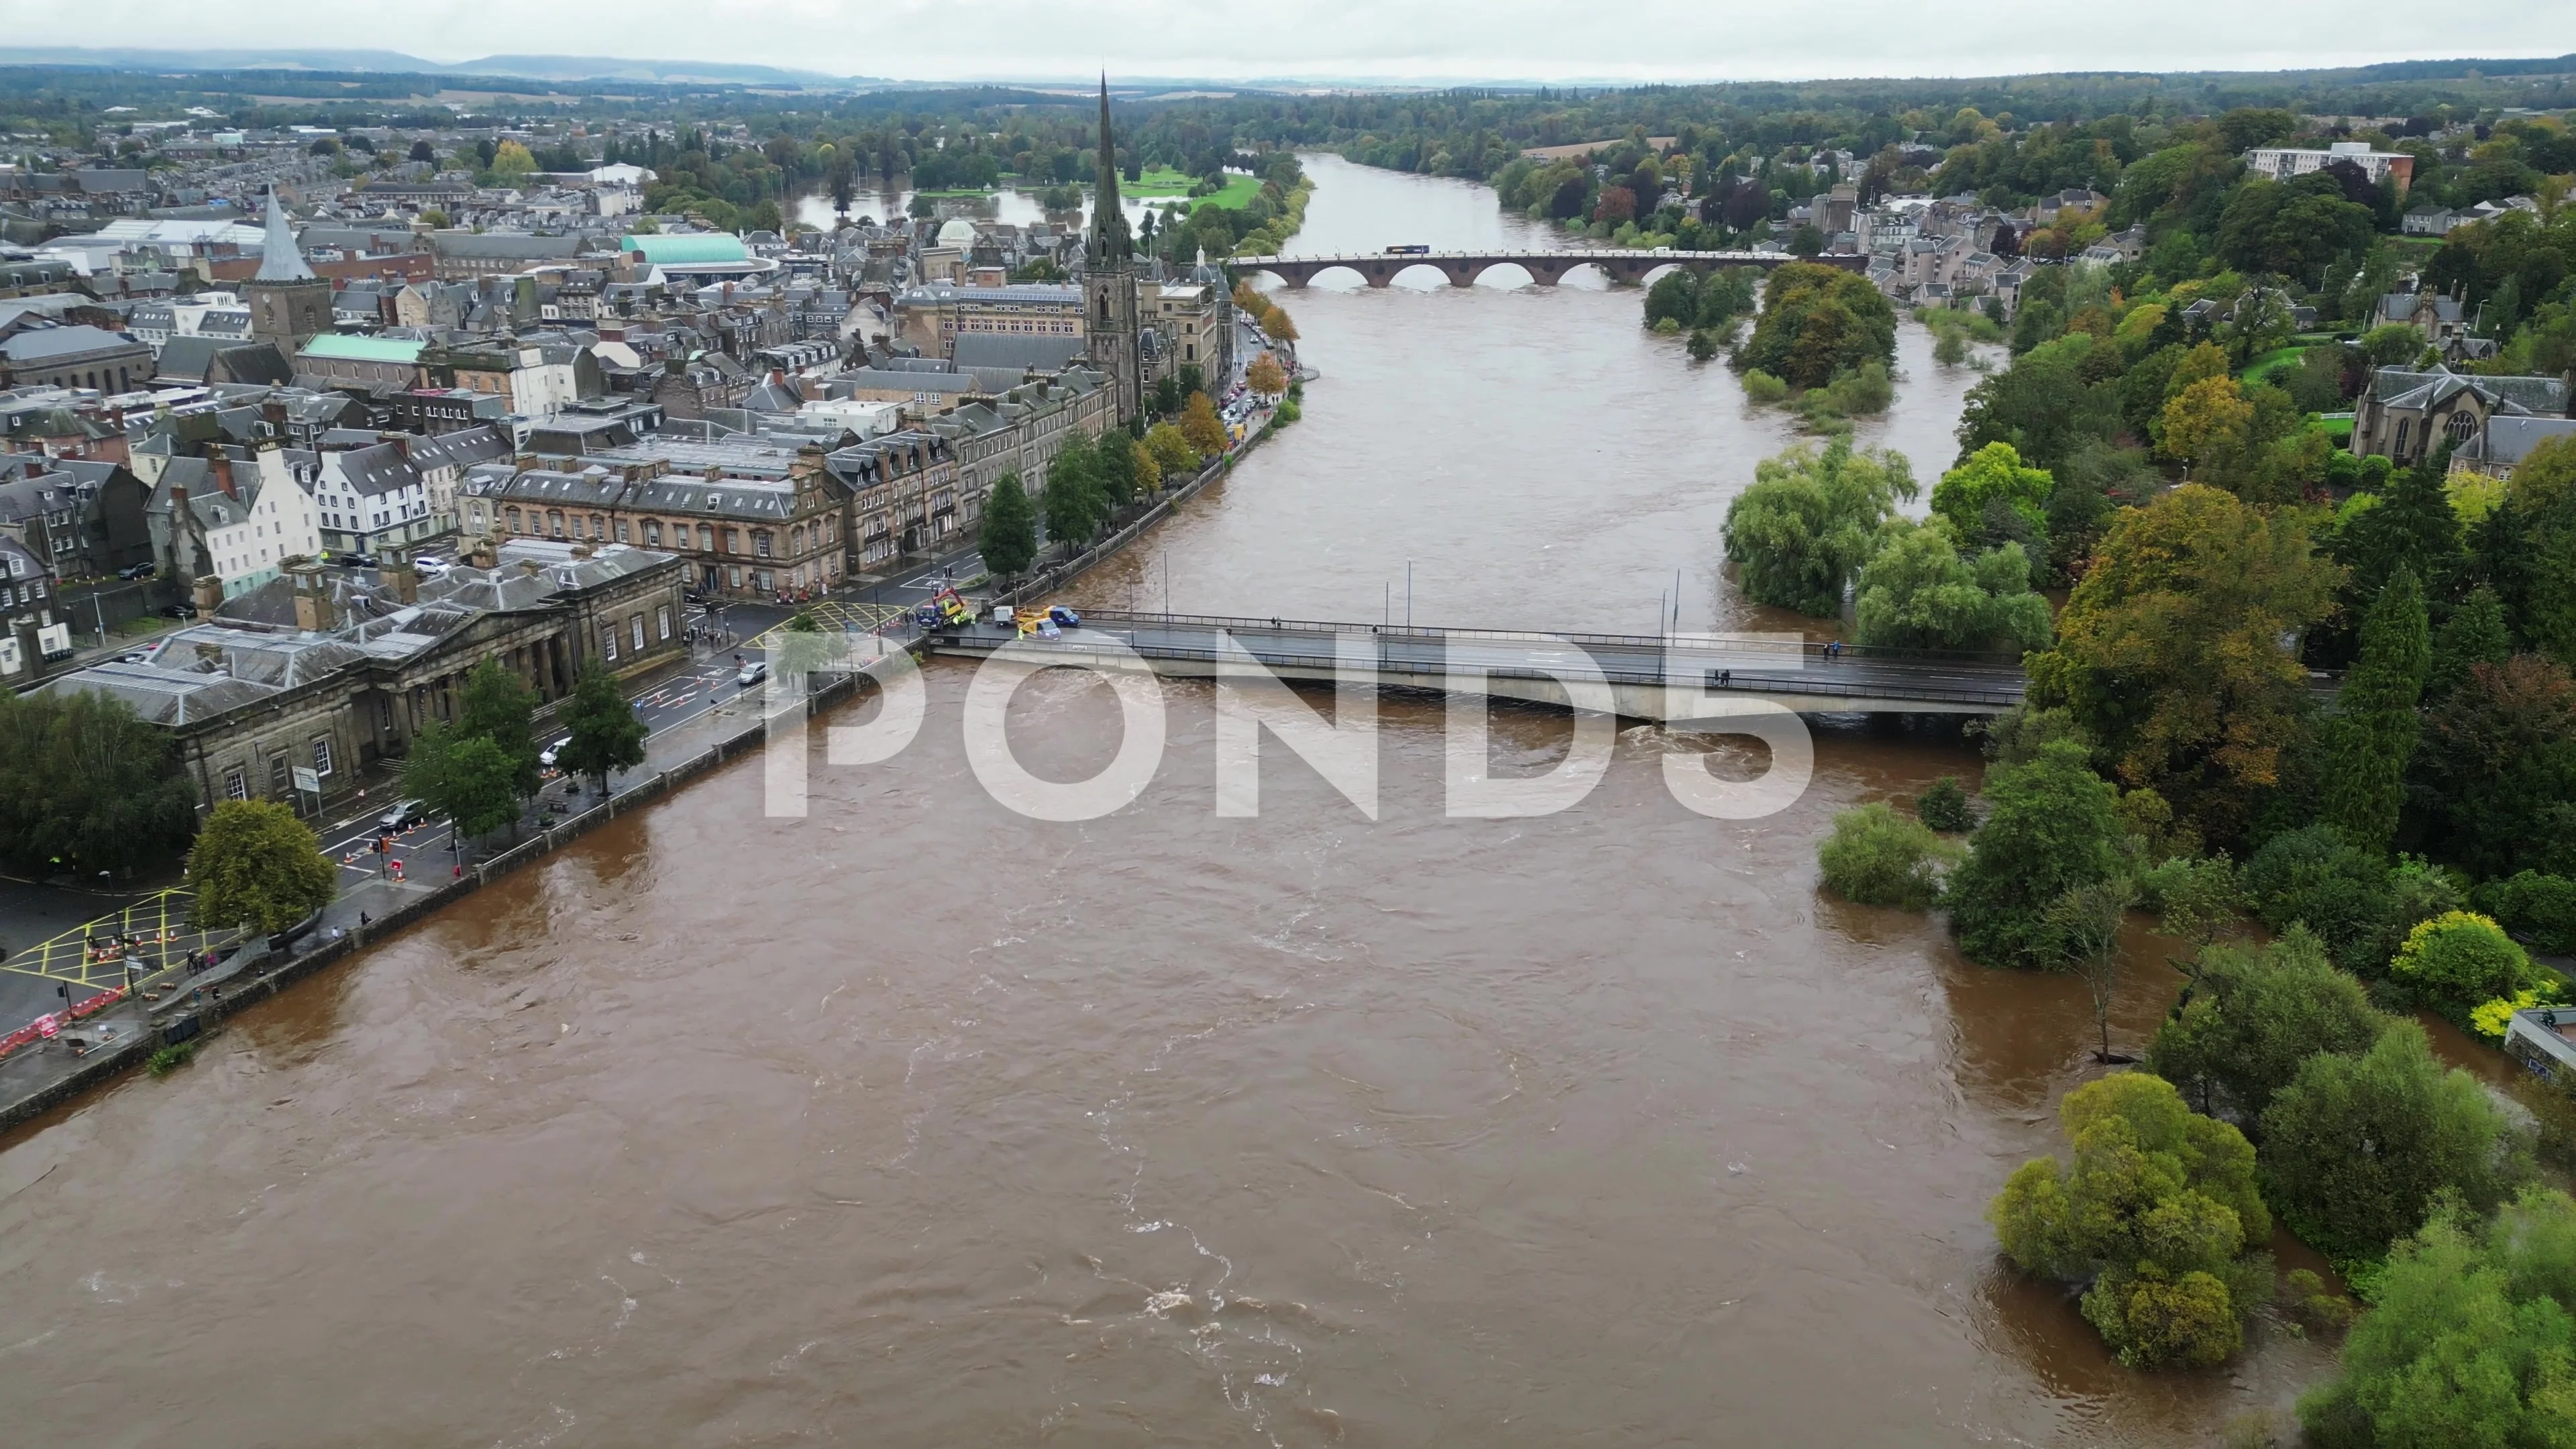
[315,610]
[478,551]
[530,567]
[209,595]
[580,551]
[402,578]
[210,653]
[220,463]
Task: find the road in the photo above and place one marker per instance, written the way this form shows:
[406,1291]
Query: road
[1746,667]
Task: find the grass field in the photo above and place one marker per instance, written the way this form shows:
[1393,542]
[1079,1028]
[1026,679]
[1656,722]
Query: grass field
[2339,428]
[2262,368]
[1162,182]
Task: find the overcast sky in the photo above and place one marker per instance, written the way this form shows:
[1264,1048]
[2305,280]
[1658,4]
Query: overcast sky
[1550,40]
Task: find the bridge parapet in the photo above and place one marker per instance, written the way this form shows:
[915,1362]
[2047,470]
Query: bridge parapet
[1545,268]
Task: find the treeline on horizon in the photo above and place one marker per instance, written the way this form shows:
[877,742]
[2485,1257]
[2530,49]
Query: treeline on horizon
[1455,128]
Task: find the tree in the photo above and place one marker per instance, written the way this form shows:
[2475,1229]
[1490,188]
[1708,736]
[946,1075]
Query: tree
[2498,767]
[498,707]
[1816,322]
[2412,527]
[2460,960]
[1944,806]
[511,160]
[1074,502]
[1673,298]
[2252,1016]
[2209,427]
[1149,470]
[607,734]
[256,867]
[2158,1211]
[2357,1148]
[1807,523]
[1113,466]
[2083,929]
[1276,324]
[1009,541]
[1265,376]
[86,785]
[2170,651]
[465,777]
[2474,634]
[2291,228]
[2469,1337]
[1199,424]
[2316,876]
[1172,450]
[422,151]
[2041,405]
[1991,476]
[2370,739]
[841,180]
[1916,592]
[1876,857]
[2051,824]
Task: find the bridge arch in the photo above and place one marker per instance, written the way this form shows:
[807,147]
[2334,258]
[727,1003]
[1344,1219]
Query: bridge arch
[1504,272]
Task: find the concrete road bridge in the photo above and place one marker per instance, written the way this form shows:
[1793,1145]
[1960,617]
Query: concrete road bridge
[1462,268]
[1664,680]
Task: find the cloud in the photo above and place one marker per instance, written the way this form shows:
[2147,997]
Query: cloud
[1546,40]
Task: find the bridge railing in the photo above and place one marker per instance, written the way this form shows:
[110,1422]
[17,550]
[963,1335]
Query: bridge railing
[1785,648]
[1811,684]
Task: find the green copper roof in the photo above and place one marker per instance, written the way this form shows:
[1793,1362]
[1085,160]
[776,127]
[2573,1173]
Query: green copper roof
[663,250]
[362,349]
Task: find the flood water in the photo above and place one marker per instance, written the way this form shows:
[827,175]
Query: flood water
[915,1122]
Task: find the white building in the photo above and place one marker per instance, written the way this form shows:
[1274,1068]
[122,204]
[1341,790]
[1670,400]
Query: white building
[246,541]
[2283,162]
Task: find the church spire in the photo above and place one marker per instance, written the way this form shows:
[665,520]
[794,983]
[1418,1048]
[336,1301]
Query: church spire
[1110,243]
[280,260]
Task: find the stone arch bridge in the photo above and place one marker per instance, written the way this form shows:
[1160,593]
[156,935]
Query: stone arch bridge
[1462,268]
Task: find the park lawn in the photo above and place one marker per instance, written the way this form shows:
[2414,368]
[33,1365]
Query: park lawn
[2338,428]
[1161,182]
[2262,368]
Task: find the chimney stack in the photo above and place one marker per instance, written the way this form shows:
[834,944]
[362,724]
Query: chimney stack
[315,610]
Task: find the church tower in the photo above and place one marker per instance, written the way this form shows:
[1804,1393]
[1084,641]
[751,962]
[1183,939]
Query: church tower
[1109,280]
[289,305]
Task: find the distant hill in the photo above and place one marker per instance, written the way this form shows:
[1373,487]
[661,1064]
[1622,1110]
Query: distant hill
[561,68]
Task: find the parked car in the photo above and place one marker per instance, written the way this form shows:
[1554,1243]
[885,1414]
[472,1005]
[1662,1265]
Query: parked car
[752,673]
[430,565]
[355,560]
[403,816]
[138,571]
[546,756]
[178,611]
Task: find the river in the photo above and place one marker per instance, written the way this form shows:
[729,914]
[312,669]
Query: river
[915,1122]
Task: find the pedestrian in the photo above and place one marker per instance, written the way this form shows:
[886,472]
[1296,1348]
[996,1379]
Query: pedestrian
[364,920]
[1725,677]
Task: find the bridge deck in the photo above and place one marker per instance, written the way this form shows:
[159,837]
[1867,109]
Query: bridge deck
[1796,674]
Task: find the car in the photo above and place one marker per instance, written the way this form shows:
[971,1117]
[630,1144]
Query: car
[431,565]
[355,560]
[179,611]
[1063,617]
[403,816]
[546,756]
[138,571]
[752,673]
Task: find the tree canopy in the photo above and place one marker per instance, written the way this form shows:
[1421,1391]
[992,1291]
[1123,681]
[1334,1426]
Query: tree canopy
[2173,651]
[1818,322]
[257,867]
[87,786]
[2158,1211]
[1805,525]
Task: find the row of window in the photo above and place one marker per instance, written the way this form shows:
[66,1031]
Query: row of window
[281,771]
